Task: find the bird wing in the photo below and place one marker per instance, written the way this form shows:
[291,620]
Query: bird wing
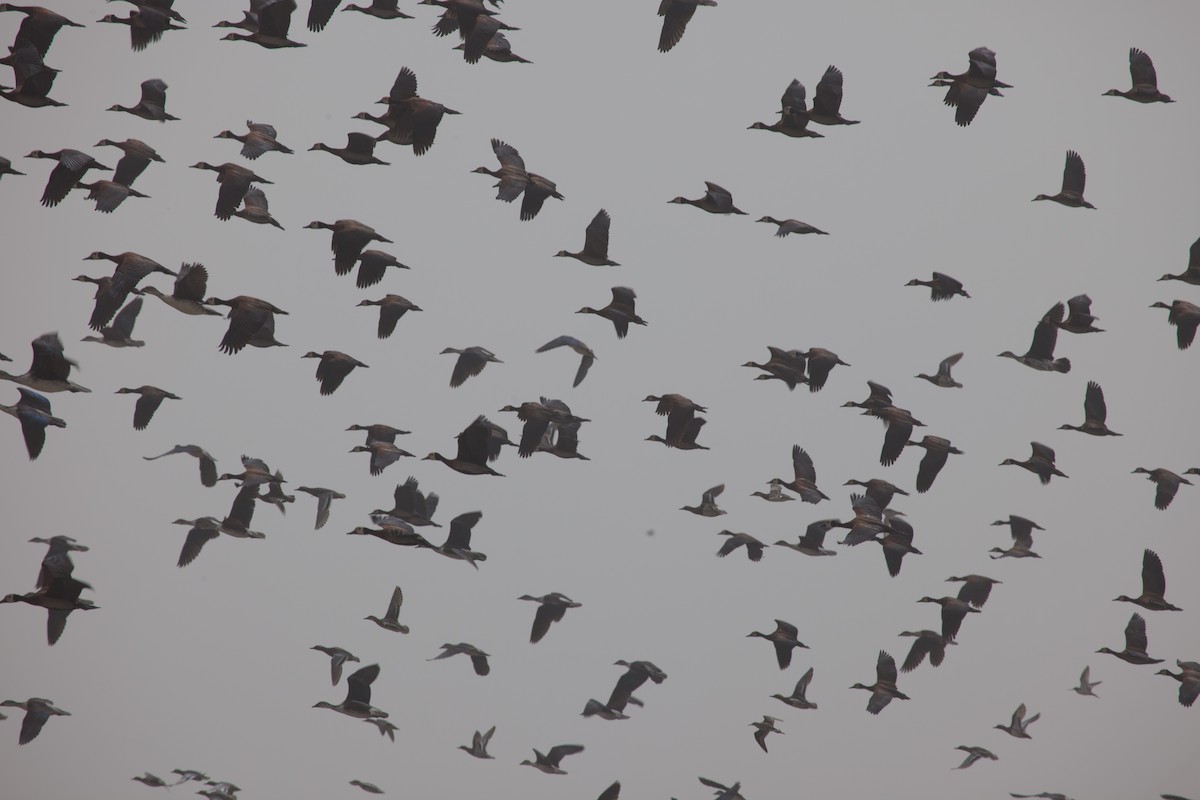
[719,196]
[1074,174]
[127,316]
[916,654]
[468,365]
[982,63]
[1141,69]
[585,363]
[556,753]
[1153,581]
[1041,451]
[627,684]
[676,14]
[460,530]
[359,684]
[947,363]
[1094,407]
[802,464]
[1045,337]
[393,609]
[473,442]
[143,410]
[827,99]
[197,537]
[191,283]
[1135,634]
[929,468]
[595,240]
[547,614]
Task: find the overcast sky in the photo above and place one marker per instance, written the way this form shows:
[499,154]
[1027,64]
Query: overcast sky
[208,667]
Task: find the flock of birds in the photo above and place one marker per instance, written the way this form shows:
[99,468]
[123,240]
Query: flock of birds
[547,425]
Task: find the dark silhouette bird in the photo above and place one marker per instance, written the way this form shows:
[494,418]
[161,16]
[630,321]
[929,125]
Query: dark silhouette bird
[370,788]
[636,673]
[900,423]
[71,167]
[391,617]
[974,754]
[458,541]
[804,482]
[943,377]
[954,611]
[111,293]
[1019,723]
[820,363]
[784,639]
[153,103]
[274,20]
[7,169]
[187,296]
[927,643]
[1095,412]
[884,688]
[812,543]
[137,157]
[708,503]
[896,543]
[1185,317]
[1074,177]
[1189,684]
[208,464]
[235,181]
[337,658]
[676,15]
[1040,463]
[349,238]
[937,451]
[1145,81]
[358,695]
[151,780]
[595,244]
[620,312]
[383,455]
[333,369]
[766,726]
[359,150]
[976,588]
[1190,275]
[479,743]
[34,80]
[552,608]
[460,15]
[1040,355]
[1135,643]
[411,119]
[680,412]
[325,498]
[1086,684]
[941,287]
[787,366]
[879,490]
[372,265]
[470,362]
[255,208]
[149,399]
[39,27]
[109,194]
[967,91]
[827,100]
[1167,482]
[585,363]
[794,119]
[60,596]
[37,709]
[1080,318]
[259,138]
[724,792]
[50,370]
[754,548]
[798,699]
[33,412]
[474,449]
[488,41]
[248,318]
[146,25]
[716,200]
[548,762]
[789,226]
[1022,536]
[391,308]
[479,659]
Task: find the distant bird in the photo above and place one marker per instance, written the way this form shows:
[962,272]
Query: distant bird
[1145,81]
[108,194]
[235,181]
[766,726]
[620,312]
[479,743]
[1080,318]
[390,621]
[804,482]
[112,292]
[479,659]
[595,244]
[1074,177]
[274,20]
[359,150]
[366,787]
[1189,682]
[954,611]
[50,370]
[39,27]
[325,498]
[937,451]
[149,399]
[208,464]
[787,366]
[974,754]
[680,411]
[884,688]
[708,503]
[333,369]
[812,543]
[349,238]
[1022,536]
[1135,643]
[372,265]
[794,118]
[636,673]
[33,412]
[259,139]
[716,200]
[34,80]
[411,119]
[255,208]
[774,493]
[789,226]
[676,15]
[1040,463]
[152,105]
[338,657]
[470,363]
[900,423]
[187,296]
[941,287]
[943,377]
[1019,723]
[186,775]
[1168,484]
[975,588]
[488,41]
[514,181]
[72,166]
[1190,275]
[928,643]
[475,449]
[754,548]
[59,596]
[146,25]
[383,455]
[249,318]
[820,363]
[37,710]
[1095,412]
[1154,585]
[137,157]
[968,90]
[552,608]
[724,792]
[358,695]
[1040,355]
[784,639]
[797,699]
[1086,684]
[585,363]
[548,762]
[879,490]
[1185,317]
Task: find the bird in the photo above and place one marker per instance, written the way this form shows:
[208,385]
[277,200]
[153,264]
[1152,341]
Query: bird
[1040,463]
[137,157]
[1154,585]
[359,150]
[152,105]
[358,695]
[676,15]
[204,529]
[276,496]
[974,754]
[1135,643]
[954,611]
[410,504]
[1095,412]
[186,775]
[146,25]
[941,287]
[943,377]
[937,451]
[716,200]
[333,369]
[766,726]
[708,503]
[588,357]
[108,194]
[59,596]
[820,363]
[620,312]
[372,265]
[774,493]
[515,180]
[470,362]
[479,659]
[383,455]
[754,548]
[390,621]
[1185,317]
[149,399]
[325,498]
[827,100]
[1145,81]
[458,541]
[595,243]
[249,317]
[254,208]
[562,440]
[255,472]
[612,792]
[879,490]
[794,119]
[273,23]
[787,366]
[1040,355]
[804,482]
[259,139]
[1086,684]
[370,788]
[37,709]
[1190,275]
[636,673]
[968,90]
[56,563]
[927,643]
[235,182]
[111,293]
[797,699]
[479,743]
[72,166]
[475,449]
[338,657]
[594,708]
[552,608]
[1080,318]
[489,41]
[812,543]
[789,226]
[900,423]
[1022,536]
[208,464]
[975,588]
[1019,723]
[884,688]
[39,27]
[349,238]
[187,295]
[784,639]
[33,412]
[1189,682]
[723,792]
[548,762]
[464,15]
[34,80]
[1074,177]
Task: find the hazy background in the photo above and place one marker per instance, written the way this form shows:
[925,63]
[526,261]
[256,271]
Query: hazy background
[208,668]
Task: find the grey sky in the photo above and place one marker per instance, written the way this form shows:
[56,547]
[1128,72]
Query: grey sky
[207,667]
